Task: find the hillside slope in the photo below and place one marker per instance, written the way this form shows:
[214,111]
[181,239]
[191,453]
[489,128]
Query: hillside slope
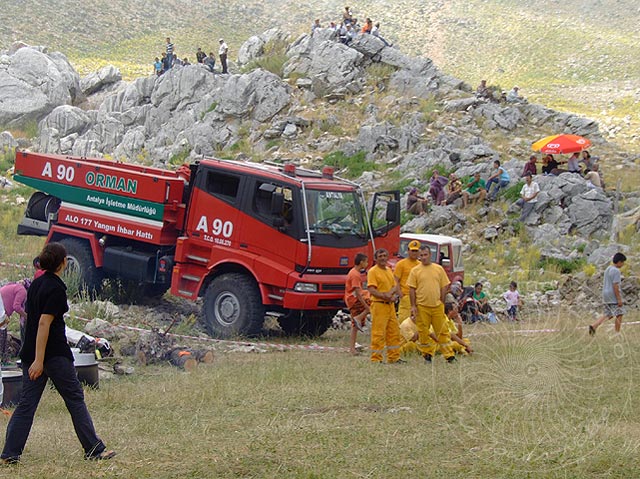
[576,55]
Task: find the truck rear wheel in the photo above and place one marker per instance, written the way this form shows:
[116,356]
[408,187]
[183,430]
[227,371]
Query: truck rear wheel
[81,267]
[306,323]
[233,306]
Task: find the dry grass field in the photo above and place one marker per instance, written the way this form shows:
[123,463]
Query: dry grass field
[537,405]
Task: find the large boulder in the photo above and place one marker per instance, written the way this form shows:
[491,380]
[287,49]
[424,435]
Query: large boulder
[98,80]
[591,213]
[67,119]
[329,64]
[33,84]
[260,94]
[254,47]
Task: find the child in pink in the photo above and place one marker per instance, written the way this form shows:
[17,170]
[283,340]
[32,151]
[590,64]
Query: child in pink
[512,297]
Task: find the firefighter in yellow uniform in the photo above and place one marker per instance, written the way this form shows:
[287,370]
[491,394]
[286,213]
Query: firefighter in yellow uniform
[401,273]
[385,331]
[428,284]
[409,338]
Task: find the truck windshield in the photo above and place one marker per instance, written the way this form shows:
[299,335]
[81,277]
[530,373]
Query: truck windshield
[335,212]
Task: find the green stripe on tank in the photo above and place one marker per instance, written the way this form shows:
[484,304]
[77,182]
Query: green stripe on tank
[96,199]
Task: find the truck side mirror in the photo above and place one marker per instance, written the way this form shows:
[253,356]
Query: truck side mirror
[393,211]
[277,203]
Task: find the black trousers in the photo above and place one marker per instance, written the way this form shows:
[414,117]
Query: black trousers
[62,373]
[223,62]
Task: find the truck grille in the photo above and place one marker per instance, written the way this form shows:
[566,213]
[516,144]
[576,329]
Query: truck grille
[333,287]
[322,270]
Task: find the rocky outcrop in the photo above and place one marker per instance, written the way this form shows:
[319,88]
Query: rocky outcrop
[34,82]
[96,81]
[187,108]
[254,47]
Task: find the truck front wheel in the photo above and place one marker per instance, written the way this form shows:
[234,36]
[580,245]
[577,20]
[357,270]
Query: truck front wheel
[233,306]
[81,269]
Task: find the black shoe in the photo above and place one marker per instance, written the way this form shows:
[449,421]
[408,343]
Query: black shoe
[399,361]
[451,359]
[427,358]
[592,331]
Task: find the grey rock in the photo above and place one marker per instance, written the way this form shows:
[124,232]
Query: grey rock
[461,104]
[290,131]
[305,83]
[259,94]
[603,255]
[98,80]
[410,83]
[329,64]
[33,84]
[67,120]
[7,141]
[591,213]
[369,45]
[490,233]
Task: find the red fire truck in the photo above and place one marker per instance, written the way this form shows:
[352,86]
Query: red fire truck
[250,238]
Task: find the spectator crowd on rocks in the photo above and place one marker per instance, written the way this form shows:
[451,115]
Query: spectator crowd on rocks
[444,190]
[169,58]
[349,27]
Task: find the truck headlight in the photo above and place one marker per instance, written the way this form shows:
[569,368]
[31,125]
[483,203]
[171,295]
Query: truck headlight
[306,287]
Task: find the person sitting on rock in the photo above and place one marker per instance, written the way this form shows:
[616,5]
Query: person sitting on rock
[333,26]
[550,166]
[482,303]
[500,178]
[573,164]
[315,26]
[186,62]
[594,180]
[476,190]
[587,161]
[513,97]
[347,34]
[530,167]
[210,62]
[375,31]
[367,27]
[200,55]
[436,189]
[454,189]
[483,91]
[176,60]
[416,204]
[528,197]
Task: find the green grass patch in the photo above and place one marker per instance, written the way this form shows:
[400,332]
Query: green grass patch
[512,193]
[354,165]
[181,157]
[273,58]
[564,266]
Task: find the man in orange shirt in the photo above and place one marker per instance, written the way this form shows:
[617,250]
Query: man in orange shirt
[401,273]
[428,284]
[356,297]
[385,331]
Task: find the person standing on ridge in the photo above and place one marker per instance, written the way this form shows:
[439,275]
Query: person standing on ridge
[223,52]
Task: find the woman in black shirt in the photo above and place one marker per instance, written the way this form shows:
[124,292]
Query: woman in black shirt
[46,354]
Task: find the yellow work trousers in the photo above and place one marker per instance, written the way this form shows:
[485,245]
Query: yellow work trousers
[433,316]
[404,308]
[385,332]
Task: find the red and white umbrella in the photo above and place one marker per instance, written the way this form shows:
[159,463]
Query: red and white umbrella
[559,144]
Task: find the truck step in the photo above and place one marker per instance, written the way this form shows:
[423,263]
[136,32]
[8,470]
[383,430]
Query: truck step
[190,277]
[197,258]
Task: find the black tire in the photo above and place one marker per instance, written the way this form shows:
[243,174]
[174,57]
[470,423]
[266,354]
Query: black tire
[306,323]
[80,266]
[233,306]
